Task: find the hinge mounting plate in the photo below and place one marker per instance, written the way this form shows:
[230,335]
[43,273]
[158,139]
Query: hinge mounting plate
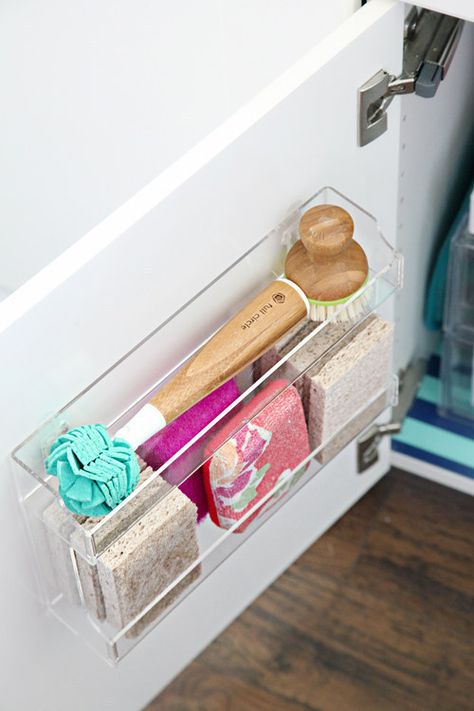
[409,381]
[430,42]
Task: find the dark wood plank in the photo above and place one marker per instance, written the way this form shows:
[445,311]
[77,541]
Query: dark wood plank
[376,616]
[420,554]
[372,645]
[203,689]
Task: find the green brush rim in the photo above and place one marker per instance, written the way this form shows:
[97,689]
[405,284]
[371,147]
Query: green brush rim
[339,301]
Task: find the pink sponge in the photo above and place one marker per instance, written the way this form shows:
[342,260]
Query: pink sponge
[261,454]
[164,444]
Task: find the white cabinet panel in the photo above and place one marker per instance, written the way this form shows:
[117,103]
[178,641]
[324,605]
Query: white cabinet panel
[436,140]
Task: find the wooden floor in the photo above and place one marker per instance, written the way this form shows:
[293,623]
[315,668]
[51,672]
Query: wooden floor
[376,616]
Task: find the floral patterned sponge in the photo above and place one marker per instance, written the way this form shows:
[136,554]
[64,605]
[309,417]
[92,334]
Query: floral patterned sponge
[258,457]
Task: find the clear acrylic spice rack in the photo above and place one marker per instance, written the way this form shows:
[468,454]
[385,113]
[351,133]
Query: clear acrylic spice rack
[69,553]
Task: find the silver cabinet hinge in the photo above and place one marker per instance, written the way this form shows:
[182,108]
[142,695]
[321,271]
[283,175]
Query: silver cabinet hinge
[367,444]
[430,42]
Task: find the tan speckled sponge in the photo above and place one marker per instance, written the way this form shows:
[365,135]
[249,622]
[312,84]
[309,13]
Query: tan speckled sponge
[349,379]
[318,346]
[146,556]
[353,369]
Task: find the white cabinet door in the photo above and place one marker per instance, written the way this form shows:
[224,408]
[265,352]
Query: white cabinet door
[82,312]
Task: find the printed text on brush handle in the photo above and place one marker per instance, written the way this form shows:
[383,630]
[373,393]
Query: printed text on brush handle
[237,344]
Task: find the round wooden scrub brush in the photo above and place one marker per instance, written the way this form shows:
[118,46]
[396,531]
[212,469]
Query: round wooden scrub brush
[328,264]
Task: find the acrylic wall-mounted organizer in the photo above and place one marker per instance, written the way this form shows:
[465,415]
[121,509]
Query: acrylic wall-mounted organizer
[113,579]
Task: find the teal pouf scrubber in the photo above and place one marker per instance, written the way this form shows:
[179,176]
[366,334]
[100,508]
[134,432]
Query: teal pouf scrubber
[95,473]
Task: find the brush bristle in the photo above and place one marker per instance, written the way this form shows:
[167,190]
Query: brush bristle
[351,312]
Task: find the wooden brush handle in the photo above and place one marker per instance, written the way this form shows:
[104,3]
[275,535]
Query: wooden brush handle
[237,344]
[326,231]
[326,262]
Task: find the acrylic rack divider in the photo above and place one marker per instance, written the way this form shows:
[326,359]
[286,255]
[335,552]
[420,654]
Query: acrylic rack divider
[70,552]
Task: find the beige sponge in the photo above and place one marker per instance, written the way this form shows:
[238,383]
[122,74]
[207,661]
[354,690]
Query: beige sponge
[340,386]
[143,552]
[352,371]
[148,558]
[293,368]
